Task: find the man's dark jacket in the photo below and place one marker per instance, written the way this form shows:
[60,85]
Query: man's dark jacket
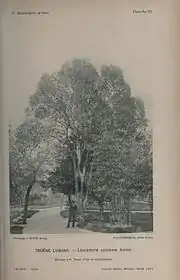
[73,210]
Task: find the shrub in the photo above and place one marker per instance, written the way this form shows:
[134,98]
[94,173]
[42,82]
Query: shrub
[17,217]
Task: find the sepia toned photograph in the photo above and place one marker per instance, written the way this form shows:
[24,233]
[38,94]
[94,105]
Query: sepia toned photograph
[80,133]
[82,159]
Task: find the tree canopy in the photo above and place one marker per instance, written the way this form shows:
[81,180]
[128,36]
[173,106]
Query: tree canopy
[99,135]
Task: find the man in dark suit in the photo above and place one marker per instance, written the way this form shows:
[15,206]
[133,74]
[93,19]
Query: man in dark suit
[72,214]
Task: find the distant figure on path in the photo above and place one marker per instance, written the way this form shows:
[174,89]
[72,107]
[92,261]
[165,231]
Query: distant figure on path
[72,214]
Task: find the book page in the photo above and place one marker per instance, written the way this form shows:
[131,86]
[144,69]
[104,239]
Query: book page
[89,117]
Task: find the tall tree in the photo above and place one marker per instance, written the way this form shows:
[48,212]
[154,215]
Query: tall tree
[98,123]
[30,157]
[123,150]
[71,98]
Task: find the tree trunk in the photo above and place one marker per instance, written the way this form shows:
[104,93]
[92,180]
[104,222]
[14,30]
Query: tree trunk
[69,198]
[79,179]
[123,212]
[101,209]
[120,209]
[26,203]
[85,200]
[129,212]
[114,207]
[76,182]
[79,202]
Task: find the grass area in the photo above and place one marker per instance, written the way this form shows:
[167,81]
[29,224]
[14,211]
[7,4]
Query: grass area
[142,221]
[108,228]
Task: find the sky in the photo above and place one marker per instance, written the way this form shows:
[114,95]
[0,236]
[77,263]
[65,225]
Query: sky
[105,33]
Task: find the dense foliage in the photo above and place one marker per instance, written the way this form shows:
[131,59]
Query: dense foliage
[87,126]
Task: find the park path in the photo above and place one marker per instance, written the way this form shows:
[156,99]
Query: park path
[49,221]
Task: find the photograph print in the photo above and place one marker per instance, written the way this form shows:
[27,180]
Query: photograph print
[80,138]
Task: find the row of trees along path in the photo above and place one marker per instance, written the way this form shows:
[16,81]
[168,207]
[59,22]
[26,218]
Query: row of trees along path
[84,134]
